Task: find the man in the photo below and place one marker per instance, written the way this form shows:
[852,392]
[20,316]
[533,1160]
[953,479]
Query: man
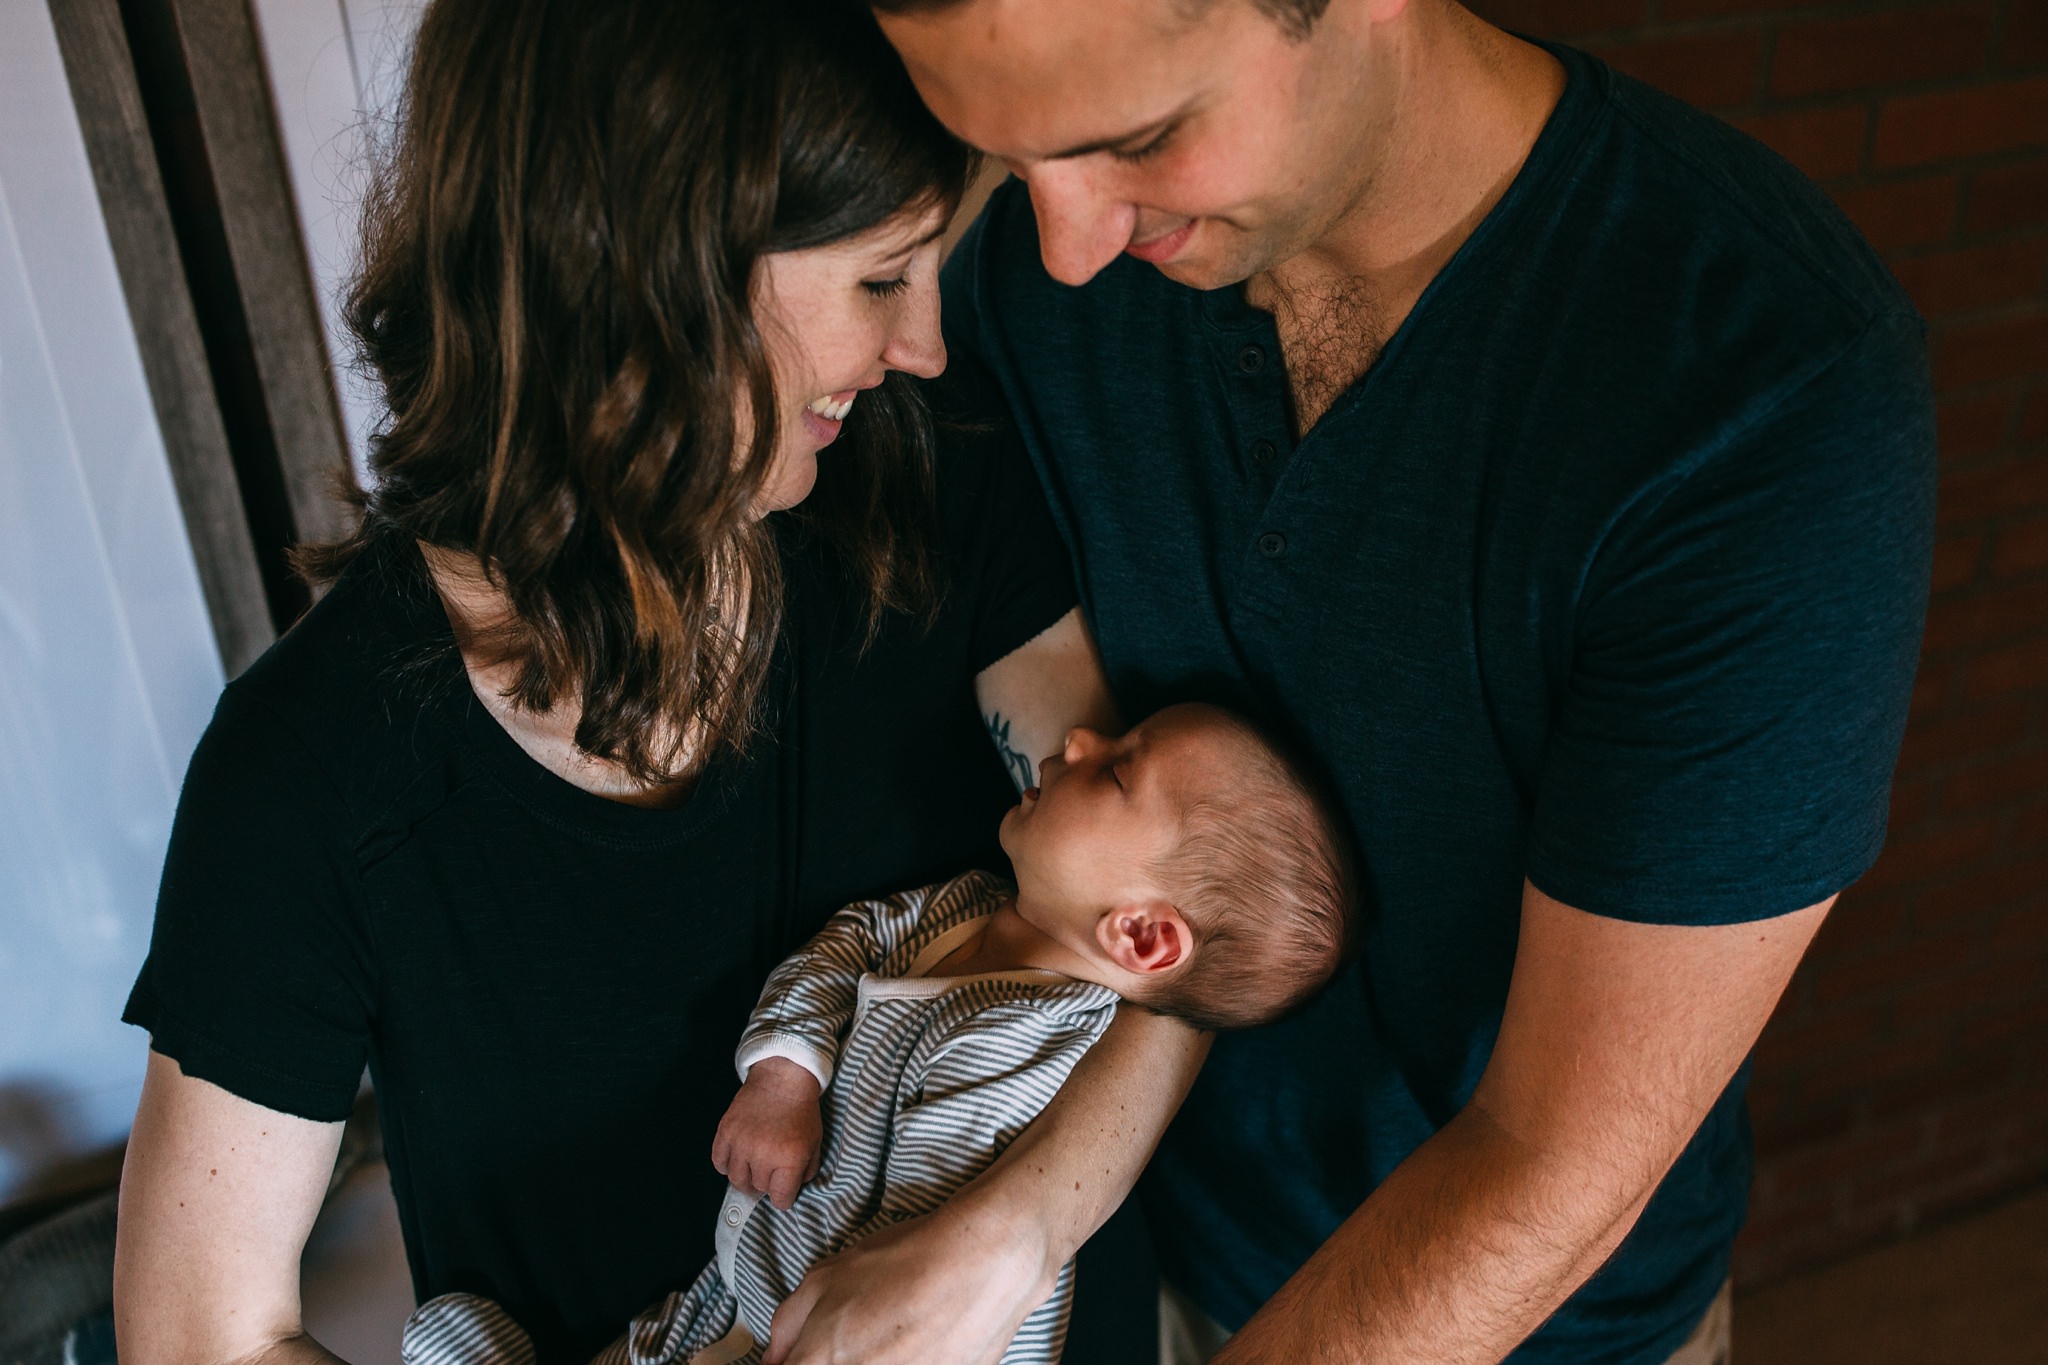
[1556,465]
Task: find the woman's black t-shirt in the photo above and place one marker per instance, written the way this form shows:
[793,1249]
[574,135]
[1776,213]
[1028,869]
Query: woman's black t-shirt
[546,986]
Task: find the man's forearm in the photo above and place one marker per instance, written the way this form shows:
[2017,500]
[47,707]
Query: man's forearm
[1067,1173]
[1459,1255]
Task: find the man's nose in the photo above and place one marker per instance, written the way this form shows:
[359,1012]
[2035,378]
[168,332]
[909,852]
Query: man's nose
[1081,227]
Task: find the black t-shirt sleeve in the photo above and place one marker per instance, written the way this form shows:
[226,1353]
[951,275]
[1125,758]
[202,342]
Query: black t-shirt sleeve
[1743,660]
[1005,555]
[259,974]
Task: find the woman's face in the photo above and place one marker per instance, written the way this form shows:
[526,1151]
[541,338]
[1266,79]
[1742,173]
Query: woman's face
[836,319]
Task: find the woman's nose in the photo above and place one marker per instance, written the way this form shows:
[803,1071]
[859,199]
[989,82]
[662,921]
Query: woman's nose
[915,342]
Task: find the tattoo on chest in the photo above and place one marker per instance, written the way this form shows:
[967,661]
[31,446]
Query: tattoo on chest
[1022,771]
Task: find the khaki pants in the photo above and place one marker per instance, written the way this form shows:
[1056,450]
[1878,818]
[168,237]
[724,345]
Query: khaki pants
[1188,1336]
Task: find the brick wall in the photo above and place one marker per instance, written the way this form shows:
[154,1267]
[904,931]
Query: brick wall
[1905,1077]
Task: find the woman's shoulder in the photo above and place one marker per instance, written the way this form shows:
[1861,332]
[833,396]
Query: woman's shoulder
[357,687]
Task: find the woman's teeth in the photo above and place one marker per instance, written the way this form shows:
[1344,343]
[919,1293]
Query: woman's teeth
[830,410]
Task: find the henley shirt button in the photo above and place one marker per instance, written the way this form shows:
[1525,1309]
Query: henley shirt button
[1272,545]
[732,1218]
[1263,451]
[1251,359]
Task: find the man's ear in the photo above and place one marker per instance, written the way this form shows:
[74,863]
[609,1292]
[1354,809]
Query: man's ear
[1143,937]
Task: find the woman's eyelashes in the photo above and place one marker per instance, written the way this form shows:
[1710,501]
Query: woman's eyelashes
[886,289]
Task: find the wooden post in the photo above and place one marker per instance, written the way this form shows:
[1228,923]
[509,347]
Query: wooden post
[101,74]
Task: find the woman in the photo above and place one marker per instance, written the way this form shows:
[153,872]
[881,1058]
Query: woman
[587,733]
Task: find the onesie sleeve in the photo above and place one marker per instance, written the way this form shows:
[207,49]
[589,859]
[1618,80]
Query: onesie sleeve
[259,976]
[809,1000]
[1743,660]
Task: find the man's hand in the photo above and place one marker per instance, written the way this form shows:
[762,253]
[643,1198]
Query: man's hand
[953,1286]
[768,1141]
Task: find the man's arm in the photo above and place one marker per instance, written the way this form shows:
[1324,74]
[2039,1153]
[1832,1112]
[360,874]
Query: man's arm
[1032,696]
[1618,1038]
[954,1286]
[217,1198]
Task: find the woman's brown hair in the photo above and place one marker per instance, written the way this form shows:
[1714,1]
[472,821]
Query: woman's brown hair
[556,291]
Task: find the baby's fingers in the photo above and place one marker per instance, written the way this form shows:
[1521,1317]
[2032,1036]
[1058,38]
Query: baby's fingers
[782,1186]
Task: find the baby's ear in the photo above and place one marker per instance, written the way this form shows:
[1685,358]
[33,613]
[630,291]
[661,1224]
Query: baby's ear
[1143,937]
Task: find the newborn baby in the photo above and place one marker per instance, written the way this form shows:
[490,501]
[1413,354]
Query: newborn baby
[1187,867]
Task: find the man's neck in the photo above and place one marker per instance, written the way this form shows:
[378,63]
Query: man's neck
[1469,105]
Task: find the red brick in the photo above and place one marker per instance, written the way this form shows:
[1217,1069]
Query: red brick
[1897,1062]
[1968,996]
[1993,614]
[1918,212]
[1711,70]
[1932,690]
[1989,616]
[1985,352]
[1998,784]
[1980,895]
[1877,975]
[1975,277]
[2025,42]
[2024,930]
[1972,426]
[2022,548]
[1955,562]
[1818,1039]
[1674,11]
[1864,920]
[2011,669]
[1563,18]
[1915,130]
[1891,48]
[1975,733]
[2002,198]
[1921,856]
[1912,802]
[2031,829]
[1973,495]
[2034,416]
[1823,143]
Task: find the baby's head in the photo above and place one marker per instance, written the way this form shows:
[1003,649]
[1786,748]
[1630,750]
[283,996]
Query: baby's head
[1190,863]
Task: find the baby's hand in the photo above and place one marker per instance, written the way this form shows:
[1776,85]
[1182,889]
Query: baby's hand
[768,1141]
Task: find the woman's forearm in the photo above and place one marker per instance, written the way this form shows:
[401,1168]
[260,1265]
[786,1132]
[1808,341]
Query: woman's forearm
[1070,1170]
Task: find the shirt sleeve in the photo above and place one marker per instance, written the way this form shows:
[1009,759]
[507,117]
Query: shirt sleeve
[259,976]
[1743,660]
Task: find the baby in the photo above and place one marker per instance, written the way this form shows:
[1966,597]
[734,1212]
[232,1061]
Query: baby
[1187,867]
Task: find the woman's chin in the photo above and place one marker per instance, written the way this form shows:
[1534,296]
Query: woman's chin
[790,485]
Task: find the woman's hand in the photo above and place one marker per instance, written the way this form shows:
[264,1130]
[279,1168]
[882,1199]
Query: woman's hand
[768,1141]
[953,1286]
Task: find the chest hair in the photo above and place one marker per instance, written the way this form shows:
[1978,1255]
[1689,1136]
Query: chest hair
[1331,332]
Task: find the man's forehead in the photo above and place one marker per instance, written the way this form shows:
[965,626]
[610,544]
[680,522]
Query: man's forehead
[1037,78]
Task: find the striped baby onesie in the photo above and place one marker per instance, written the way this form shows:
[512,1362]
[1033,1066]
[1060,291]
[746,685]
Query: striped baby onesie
[926,1079]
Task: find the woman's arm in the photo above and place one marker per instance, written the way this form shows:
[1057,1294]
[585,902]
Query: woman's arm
[217,1198]
[955,1285]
